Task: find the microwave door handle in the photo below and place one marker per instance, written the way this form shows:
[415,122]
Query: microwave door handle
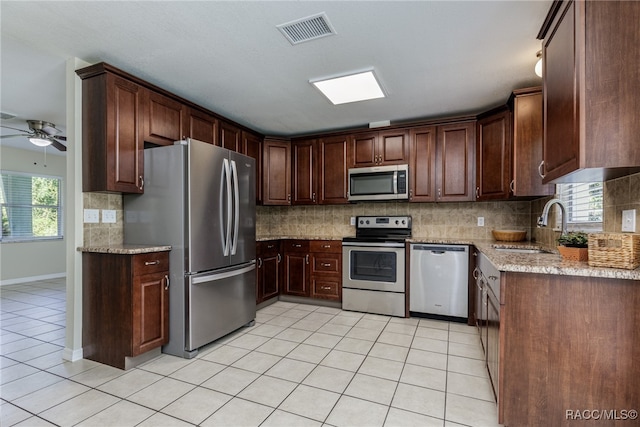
[395,182]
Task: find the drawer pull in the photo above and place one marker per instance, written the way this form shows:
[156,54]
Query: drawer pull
[156,262]
[270,246]
[325,288]
[297,246]
[326,246]
[326,264]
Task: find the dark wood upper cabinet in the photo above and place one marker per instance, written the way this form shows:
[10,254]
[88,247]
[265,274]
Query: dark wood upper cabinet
[111,134]
[201,126]
[454,162]
[162,119]
[277,172]
[230,136]
[390,147]
[333,170]
[422,169]
[591,85]
[493,155]
[526,107]
[252,147]
[303,181]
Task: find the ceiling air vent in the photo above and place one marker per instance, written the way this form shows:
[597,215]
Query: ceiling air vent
[305,29]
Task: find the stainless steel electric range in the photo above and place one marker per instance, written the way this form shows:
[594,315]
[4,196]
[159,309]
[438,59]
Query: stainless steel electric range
[373,277]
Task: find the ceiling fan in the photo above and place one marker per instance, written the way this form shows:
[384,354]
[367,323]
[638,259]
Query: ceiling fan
[40,133]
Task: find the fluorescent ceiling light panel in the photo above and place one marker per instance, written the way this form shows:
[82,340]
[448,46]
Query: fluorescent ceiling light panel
[351,88]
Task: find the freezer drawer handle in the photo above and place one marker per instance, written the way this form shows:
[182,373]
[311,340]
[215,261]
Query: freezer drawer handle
[156,262]
[223,275]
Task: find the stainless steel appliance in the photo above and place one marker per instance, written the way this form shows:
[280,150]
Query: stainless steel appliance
[200,199]
[379,183]
[373,277]
[439,280]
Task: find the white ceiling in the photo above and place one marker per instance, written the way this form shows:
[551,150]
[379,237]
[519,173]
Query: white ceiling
[433,58]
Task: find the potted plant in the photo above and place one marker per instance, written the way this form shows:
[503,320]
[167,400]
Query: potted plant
[574,246]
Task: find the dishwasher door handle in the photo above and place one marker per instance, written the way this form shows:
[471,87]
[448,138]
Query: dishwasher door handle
[438,252]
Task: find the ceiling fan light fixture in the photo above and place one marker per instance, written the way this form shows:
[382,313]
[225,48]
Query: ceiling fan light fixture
[538,67]
[40,142]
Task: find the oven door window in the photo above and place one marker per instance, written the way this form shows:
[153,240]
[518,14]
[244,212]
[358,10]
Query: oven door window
[374,266]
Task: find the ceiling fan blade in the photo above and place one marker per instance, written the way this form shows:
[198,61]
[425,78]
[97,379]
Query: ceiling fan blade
[58,145]
[12,136]
[61,138]
[9,127]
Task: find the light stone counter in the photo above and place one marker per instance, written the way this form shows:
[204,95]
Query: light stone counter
[124,249]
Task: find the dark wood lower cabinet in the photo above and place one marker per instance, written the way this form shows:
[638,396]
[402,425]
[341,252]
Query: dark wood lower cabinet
[296,268]
[568,344]
[125,302]
[326,269]
[269,270]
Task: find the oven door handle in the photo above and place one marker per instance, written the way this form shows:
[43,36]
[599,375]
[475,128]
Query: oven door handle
[374,245]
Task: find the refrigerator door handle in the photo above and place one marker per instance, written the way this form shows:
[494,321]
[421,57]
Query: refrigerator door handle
[236,207]
[227,226]
[223,275]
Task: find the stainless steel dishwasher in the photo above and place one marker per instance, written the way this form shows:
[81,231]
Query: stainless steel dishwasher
[439,280]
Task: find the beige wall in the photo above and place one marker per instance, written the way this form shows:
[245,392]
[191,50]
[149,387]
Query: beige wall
[434,220]
[39,259]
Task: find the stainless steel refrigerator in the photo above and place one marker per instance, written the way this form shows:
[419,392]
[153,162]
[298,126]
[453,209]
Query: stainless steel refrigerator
[200,199]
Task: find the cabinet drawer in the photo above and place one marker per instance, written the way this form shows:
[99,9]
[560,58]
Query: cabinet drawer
[268,248]
[326,289]
[324,264]
[332,246]
[296,245]
[152,262]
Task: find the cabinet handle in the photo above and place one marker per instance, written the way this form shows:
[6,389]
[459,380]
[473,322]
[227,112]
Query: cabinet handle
[279,258]
[326,264]
[259,262]
[288,197]
[512,186]
[540,169]
[477,192]
[270,246]
[156,262]
[439,193]
[493,277]
[166,282]
[410,194]
[325,288]
[476,273]
[306,258]
[313,196]
[297,246]
[326,246]
[141,182]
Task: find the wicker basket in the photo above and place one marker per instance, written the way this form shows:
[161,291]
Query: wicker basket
[616,250]
[509,235]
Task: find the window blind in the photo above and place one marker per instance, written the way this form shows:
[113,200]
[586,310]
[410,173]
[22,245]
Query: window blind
[31,206]
[584,203]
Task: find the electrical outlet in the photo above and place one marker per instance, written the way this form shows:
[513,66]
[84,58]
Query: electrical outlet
[353,220]
[92,216]
[629,220]
[108,216]
[480,221]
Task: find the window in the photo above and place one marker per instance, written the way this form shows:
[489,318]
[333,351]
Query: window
[31,206]
[584,205]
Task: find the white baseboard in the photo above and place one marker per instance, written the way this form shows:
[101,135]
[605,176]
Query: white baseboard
[72,355]
[32,279]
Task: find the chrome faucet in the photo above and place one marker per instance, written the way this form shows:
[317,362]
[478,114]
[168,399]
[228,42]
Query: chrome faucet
[542,220]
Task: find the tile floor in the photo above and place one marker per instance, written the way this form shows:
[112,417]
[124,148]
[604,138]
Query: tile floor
[300,365]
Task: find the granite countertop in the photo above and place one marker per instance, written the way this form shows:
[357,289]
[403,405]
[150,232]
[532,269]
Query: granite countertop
[265,238]
[548,262]
[124,249]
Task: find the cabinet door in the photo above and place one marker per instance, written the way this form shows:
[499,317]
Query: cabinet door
[252,147]
[162,119]
[527,145]
[124,155]
[150,312]
[393,147]
[454,162]
[364,149]
[493,156]
[333,170]
[493,340]
[561,125]
[296,274]
[422,169]
[201,126]
[270,279]
[230,136]
[303,182]
[277,173]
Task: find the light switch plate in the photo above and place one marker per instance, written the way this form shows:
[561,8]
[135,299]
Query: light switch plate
[629,220]
[353,220]
[108,216]
[92,216]
[480,221]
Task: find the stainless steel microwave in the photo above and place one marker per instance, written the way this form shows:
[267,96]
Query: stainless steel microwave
[379,183]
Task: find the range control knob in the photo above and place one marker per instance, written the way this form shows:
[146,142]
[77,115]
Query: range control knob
[403,222]
[398,222]
[367,222]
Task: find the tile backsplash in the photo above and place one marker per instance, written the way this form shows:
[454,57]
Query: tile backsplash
[621,194]
[101,234]
[434,220]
